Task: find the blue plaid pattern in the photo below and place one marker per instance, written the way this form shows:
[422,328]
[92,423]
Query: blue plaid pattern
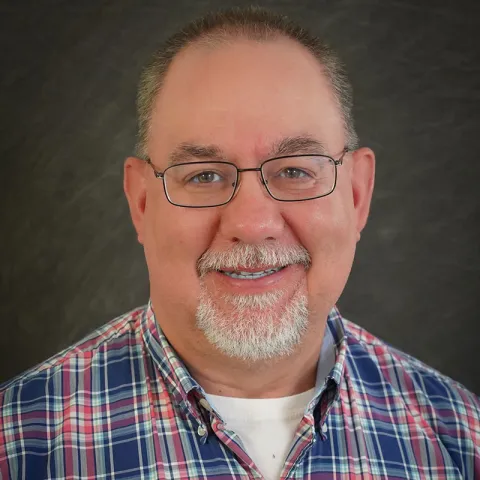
[120,404]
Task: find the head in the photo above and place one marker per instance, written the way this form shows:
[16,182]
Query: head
[249,278]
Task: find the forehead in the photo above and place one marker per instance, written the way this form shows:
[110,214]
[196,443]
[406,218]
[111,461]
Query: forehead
[244,96]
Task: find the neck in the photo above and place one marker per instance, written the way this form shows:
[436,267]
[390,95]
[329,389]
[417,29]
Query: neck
[280,378]
[219,374]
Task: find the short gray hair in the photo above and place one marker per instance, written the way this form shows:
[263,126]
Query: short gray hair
[250,23]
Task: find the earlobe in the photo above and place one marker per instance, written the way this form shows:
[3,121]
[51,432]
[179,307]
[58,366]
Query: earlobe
[363,179]
[134,186]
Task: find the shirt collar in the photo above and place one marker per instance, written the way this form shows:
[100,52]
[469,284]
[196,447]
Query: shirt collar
[337,331]
[181,384]
[330,370]
[177,378]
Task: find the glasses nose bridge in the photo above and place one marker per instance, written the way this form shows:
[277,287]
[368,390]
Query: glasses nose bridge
[242,170]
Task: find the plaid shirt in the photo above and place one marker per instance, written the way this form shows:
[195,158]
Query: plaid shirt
[121,405]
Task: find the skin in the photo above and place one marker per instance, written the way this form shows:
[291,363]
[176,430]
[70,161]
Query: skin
[244,97]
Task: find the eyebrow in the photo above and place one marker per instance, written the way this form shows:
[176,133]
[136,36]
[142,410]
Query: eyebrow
[186,152]
[302,144]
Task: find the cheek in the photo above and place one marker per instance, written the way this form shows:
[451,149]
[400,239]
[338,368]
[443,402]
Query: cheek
[327,227]
[175,238]
[329,235]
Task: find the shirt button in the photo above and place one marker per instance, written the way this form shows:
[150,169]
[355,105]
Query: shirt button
[201,431]
[324,428]
[203,402]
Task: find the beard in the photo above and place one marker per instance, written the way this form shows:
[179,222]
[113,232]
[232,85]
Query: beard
[253,327]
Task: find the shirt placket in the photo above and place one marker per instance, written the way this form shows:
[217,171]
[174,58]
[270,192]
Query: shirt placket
[306,434]
[304,438]
[231,440]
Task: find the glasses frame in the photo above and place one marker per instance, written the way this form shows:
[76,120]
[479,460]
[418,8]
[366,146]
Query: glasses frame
[336,163]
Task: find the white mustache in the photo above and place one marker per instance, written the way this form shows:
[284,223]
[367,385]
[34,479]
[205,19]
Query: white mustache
[250,256]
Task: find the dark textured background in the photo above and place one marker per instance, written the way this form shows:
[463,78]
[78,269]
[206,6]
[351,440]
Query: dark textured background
[69,258]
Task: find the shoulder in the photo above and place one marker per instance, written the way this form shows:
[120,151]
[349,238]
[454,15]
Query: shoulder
[401,369]
[66,403]
[81,360]
[415,392]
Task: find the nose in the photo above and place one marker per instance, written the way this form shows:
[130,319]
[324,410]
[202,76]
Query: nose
[252,216]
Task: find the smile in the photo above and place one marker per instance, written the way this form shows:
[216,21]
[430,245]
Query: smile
[251,275]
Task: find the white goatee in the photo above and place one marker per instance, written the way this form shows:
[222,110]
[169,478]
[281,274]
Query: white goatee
[253,329]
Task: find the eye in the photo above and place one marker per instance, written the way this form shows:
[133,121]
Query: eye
[206,177]
[293,172]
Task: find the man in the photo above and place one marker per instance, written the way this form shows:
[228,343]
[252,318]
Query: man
[249,194]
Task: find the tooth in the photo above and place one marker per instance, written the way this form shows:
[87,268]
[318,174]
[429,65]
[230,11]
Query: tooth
[251,275]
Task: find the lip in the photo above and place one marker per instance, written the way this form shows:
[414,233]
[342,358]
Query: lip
[258,285]
[251,270]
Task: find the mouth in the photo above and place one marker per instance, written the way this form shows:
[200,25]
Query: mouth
[251,274]
[256,279]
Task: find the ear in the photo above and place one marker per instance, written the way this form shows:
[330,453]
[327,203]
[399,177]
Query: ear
[363,178]
[134,185]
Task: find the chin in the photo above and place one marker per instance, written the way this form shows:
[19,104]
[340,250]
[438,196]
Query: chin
[254,327]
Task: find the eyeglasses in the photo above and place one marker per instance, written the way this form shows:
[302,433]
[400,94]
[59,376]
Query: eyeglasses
[291,178]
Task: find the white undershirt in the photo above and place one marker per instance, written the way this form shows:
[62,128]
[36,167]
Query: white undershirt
[265,426]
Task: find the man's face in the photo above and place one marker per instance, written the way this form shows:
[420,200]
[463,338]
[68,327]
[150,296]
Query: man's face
[244,100]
